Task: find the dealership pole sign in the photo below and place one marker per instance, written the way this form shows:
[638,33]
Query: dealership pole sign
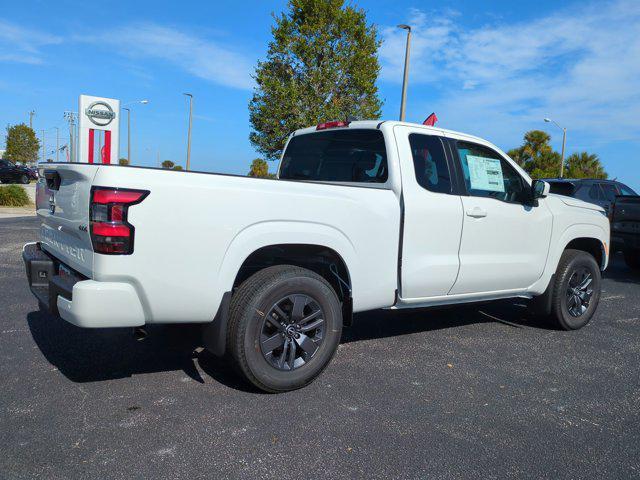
[98,129]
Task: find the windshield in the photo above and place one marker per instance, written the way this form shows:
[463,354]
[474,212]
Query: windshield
[348,155]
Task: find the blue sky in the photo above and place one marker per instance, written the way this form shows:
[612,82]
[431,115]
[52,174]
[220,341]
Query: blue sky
[493,69]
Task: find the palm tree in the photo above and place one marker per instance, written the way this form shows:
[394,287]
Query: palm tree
[536,143]
[584,165]
[259,168]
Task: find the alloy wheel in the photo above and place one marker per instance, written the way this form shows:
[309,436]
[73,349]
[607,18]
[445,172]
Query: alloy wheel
[579,291]
[292,332]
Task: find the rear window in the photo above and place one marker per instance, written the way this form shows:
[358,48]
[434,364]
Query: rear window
[336,156]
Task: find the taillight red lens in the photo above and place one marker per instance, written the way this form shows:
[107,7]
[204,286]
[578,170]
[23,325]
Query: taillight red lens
[114,195]
[111,233]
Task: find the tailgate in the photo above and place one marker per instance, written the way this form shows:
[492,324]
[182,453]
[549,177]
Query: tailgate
[625,215]
[62,203]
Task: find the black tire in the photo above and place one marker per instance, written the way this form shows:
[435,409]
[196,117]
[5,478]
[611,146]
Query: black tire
[565,310]
[24,179]
[632,259]
[250,313]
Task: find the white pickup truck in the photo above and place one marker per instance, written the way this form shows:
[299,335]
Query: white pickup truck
[364,215]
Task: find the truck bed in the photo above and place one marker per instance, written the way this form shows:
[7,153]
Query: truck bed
[193,231]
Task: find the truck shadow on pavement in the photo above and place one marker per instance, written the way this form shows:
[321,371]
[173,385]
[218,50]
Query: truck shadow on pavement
[84,355]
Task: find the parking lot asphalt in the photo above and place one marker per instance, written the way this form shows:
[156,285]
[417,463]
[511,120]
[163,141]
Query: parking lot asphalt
[467,392]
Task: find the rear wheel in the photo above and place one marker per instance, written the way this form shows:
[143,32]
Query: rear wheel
[576,290]
[632,259]
[285,324]
[24,179]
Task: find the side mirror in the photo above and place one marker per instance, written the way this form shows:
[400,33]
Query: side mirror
[540,189]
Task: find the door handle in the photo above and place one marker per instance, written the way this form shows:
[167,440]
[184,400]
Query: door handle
[476,212]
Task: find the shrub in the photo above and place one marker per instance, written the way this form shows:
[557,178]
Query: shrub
[13,196]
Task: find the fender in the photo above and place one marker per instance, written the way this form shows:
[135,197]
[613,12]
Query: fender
[263,234]
[558,246]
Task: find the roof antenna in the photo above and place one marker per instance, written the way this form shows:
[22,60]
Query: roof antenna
[431,120]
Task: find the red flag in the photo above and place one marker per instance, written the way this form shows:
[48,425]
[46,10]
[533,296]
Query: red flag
[431,120]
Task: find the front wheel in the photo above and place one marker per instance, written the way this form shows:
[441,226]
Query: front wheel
[24,179]
[576,290]
[285,324]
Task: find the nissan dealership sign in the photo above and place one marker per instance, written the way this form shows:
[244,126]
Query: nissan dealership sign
[100,113]
[98,129]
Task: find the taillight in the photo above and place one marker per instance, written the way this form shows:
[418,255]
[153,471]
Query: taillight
[336,124]
[111,233]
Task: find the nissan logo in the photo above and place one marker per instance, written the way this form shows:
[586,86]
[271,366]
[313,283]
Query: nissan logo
[100,116]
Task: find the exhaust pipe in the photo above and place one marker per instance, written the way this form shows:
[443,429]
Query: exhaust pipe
[139,334]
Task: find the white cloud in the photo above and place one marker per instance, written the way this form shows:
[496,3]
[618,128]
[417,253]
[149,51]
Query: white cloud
[579,65]
[203,58]
[23,45]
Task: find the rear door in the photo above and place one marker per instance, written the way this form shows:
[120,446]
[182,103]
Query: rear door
[62,203]
[432,214]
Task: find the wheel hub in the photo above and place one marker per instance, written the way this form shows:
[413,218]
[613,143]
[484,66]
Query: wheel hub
[579,292]
[292,332]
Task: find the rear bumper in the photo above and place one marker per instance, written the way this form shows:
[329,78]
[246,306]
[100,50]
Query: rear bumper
[80,301]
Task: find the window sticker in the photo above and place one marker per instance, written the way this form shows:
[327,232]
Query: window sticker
[485,174]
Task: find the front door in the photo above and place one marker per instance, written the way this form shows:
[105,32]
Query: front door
[432,215]
[505,238]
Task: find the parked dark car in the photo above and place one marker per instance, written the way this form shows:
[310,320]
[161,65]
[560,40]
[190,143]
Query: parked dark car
[625,228]
[12,173]
[621,204]
[600,192]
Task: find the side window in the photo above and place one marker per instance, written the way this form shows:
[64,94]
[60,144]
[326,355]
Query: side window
[610,191]
[488,174]
[430,163]
[582,192]
[595,193]
[624,190]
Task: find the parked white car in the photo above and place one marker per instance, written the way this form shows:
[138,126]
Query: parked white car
[364,215]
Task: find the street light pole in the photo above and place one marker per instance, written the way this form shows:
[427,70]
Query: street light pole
[564,142]
[128,134]
[405,79]
[189,131]
[143,102]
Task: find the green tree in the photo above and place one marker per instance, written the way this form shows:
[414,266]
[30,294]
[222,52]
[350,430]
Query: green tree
[536,156]
[259,168]
[584,165]
[168,164]
[123,161]
[321,65]
[22,144]
[546,165]
[177,167]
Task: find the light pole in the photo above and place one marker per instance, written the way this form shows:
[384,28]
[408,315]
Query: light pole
[143,102]
[405,80]
[128,134]
[57,143]
[564,141]
[189,131]
[71,118]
